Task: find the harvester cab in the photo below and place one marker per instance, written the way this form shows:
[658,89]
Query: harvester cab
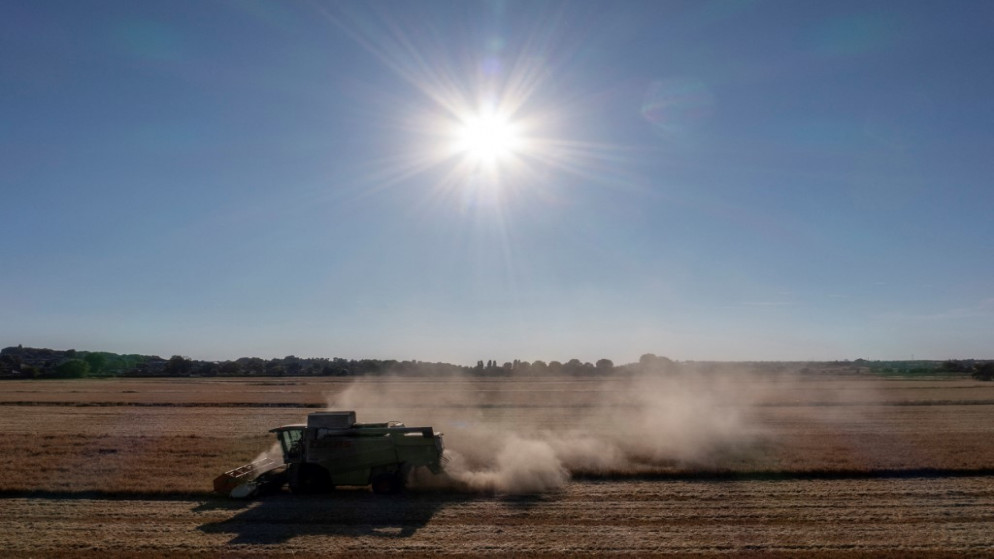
[291,442]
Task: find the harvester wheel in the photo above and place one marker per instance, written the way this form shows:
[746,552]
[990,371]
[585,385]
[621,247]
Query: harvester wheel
[307,479]
[388,483]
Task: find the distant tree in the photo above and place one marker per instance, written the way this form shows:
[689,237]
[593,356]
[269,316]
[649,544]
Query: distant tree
[275,368]
[96,361]
[125,364]
[952,366]
[368,367]
[388,366]
[555,367]
[178,366]
[252,366]
[604,365]
[294,366]
[539,367]
[647,360]
[10,362]
[651,363]
[206,369]
[573,367]
[984,371]
[73,368]
[341,367]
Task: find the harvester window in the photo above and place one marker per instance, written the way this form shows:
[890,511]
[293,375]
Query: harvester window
[291,441]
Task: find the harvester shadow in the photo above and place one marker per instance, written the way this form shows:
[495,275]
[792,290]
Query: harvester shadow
[275,519]
[527,502]
[222,503]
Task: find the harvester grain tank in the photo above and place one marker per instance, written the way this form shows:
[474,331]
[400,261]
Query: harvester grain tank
[332,449]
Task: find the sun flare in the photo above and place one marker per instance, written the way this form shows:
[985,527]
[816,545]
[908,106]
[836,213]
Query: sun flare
[487,138]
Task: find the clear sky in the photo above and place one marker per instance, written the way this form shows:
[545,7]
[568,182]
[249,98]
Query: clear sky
[454,181]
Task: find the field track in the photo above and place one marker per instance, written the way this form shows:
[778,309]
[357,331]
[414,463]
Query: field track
[839,468]
[831,518]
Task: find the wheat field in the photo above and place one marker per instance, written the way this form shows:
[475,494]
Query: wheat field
[820,466]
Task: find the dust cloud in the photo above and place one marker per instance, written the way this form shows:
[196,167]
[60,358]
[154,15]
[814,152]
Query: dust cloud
[530,435]
[274,452]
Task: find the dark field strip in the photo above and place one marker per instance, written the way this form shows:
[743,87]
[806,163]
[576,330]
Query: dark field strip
[896,403]
[784,475]
[111,495]
[165,404]
[222,501]
[903,403]
[579,477]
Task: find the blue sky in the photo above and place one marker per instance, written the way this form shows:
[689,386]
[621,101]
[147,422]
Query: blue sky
[703,180]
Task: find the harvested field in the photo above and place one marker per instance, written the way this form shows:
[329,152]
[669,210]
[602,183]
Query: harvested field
[817,517]
[817,466]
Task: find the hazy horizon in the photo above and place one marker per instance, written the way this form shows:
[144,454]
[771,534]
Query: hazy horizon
[503,360]
[456,181]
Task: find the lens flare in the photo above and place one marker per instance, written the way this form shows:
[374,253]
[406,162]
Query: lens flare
[487,125]
[677,106]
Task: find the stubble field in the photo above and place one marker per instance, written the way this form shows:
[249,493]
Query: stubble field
[821,466]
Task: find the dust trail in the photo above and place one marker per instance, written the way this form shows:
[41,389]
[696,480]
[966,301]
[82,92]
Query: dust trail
[520,466]
[528,435]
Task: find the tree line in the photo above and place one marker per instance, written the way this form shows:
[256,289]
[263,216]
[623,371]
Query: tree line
[26,362]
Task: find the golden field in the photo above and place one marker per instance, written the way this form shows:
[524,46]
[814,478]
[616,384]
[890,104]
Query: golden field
[810,465]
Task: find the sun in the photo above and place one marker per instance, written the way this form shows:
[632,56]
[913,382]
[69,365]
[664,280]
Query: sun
[486,139]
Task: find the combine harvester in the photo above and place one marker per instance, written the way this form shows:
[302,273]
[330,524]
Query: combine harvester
[333,450]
